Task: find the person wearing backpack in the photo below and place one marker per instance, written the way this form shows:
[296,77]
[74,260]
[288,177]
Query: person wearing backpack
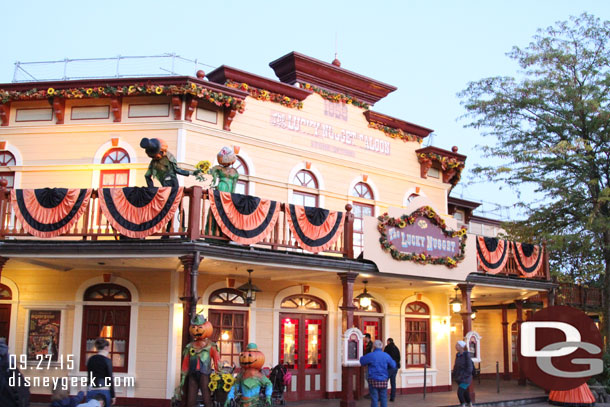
[462,373]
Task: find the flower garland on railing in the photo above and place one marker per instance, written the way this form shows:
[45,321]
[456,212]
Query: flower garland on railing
[137,89]
[335,97]
[265,95]
[395,133]
[446,163]
[385,221]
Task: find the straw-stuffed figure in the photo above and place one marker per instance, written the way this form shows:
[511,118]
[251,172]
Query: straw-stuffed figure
[200,358]
[163,165]
[250,380]
[224,179]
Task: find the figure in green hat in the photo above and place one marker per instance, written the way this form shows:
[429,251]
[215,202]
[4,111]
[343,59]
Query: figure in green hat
[249,383]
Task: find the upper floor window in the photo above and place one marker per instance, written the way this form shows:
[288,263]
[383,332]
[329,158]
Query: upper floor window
[242,169]
[115,178]
[363,190]
[7,159]
[305,179]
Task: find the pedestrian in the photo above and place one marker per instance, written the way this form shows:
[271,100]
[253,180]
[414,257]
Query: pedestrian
[378,363]
[99,370]
[394,353]
[61,398]
[462,373]
[368,344]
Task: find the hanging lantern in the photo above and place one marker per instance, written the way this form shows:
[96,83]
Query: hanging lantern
[365,299]
[456,304]
[249,290]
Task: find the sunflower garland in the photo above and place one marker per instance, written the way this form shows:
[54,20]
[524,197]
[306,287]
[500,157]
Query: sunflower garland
[386,221]
[335,97]
[395,133]
[265,95]
[446,163]
[137,89]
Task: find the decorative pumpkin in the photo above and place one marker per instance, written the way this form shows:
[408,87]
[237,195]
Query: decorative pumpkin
[200,327]
[252,358]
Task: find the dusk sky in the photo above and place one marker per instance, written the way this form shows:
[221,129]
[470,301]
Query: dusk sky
[429,50]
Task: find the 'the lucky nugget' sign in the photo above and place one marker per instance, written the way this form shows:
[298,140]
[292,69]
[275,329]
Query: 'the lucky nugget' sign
[421,237]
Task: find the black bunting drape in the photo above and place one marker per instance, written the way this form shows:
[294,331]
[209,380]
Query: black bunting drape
[492,253]
[528,258]
[315,229]
[49,212]
[244,219]
[139,211]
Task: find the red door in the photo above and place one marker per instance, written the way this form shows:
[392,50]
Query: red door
[372,326]
[303,351]
[5,321]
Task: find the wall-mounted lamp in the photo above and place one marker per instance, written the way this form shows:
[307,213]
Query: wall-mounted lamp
[456,304]
[249,290]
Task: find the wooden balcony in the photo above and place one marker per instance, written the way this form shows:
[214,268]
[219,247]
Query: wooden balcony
[188,224]
[579,296]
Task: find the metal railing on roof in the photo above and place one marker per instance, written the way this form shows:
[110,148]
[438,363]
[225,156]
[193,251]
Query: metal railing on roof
[114,67]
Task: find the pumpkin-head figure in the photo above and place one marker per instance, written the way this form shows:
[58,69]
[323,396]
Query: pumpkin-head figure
[200,327]
[226,157]
[252,358]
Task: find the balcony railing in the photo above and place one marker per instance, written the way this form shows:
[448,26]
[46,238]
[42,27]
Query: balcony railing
[579,296]
[189,223]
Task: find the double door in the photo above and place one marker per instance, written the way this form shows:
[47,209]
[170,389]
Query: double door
[303,352]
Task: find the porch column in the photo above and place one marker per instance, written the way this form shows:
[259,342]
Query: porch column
[505,341]
[190,297]
[3,261]
[466,290]
[519,307]
[347,321]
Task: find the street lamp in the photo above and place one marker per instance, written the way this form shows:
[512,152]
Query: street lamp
[249,290]
[365,299]
[456,304]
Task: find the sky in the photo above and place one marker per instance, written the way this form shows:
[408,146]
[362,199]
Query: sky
[429,50]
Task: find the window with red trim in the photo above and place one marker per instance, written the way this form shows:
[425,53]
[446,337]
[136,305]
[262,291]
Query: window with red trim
[242,186]
[107,321]
[7,159]
[417,335]
[304,302]
[230,333]
[115,178]
[5,312]
[289,343]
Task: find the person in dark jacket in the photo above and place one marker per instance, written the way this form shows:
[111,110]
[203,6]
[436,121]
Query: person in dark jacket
[99,370]
[462,373]
[394,353]
[378,363]
[368,344]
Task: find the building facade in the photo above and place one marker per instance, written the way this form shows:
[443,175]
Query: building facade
[308,139]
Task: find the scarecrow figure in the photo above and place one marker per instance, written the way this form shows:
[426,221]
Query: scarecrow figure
[224,179]
[163,165]
[197,363]
[250,380]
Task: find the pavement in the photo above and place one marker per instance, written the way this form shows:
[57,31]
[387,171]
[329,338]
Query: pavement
[487,395]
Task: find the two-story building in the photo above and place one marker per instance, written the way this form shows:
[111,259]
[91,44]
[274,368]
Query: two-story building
[309,139]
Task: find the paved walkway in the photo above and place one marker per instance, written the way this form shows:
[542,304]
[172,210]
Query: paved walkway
[486,392]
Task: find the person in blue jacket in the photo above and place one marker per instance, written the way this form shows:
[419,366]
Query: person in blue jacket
[462,373]
[378,363]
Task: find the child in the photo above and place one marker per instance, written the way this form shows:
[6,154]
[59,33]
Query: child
[97,401]
[61,398]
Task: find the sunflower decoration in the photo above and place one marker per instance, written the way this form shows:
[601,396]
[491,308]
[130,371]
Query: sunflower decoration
[202,168]
[213,385]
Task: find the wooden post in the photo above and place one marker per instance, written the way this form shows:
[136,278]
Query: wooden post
[505,342]
[466,290]
[194,226]
[519,307]
[190,297]
[3,261]
[347,321]
[348,233]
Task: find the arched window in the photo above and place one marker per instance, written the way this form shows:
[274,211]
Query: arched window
[115,178]
[111,322]
[242,169]
[417,334]
[230,325]
[7,159]
[304,302]
[5,312]
[227,296]
[374,307]
[360,210]
[305,179]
